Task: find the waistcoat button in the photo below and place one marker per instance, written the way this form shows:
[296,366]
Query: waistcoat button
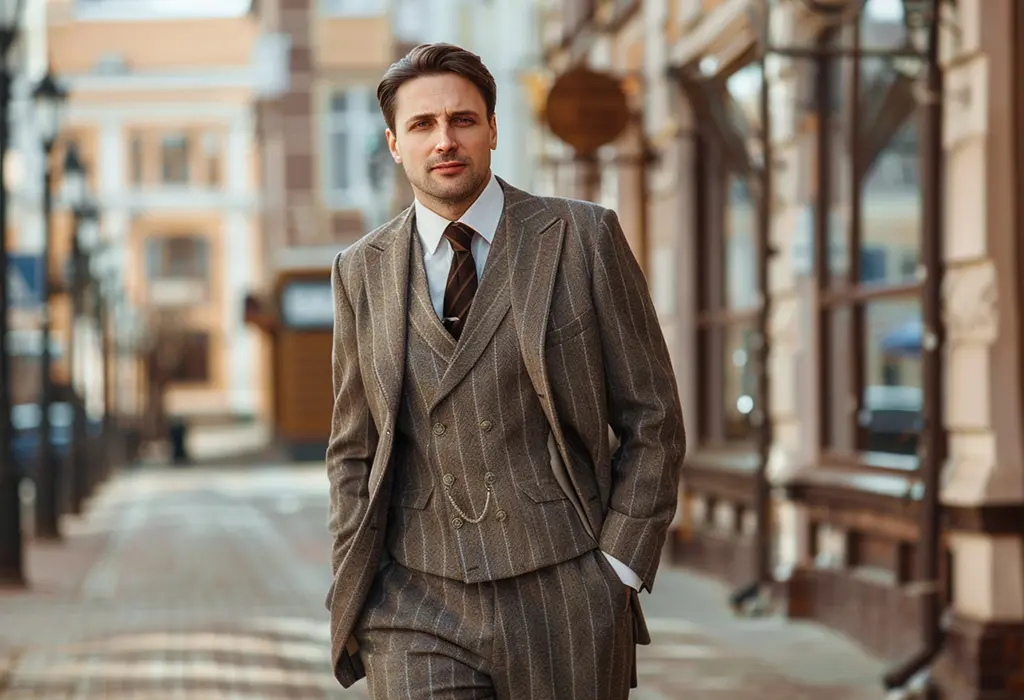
[439,428]
[448,479]
[457,523]
[486,425]
[489,478]
[501,515]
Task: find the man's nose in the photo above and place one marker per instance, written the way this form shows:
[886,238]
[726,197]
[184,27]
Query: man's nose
[446,139]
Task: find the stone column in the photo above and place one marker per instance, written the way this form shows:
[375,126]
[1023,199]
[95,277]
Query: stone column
[983,495]
[790,285]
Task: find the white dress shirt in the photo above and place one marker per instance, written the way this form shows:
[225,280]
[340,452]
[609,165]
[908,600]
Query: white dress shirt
[483,217]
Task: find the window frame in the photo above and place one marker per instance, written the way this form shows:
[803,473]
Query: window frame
[360,120]
[864,142]
[717,163]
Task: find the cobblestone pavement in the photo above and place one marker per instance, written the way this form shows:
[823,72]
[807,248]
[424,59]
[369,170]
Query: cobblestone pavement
[208,583]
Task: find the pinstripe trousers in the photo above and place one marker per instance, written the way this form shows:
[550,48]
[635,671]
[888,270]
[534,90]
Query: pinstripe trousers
[564,632]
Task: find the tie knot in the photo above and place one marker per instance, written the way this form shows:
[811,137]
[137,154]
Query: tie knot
[460,236]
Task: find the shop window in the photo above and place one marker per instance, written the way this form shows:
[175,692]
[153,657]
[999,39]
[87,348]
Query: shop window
[729,301]
[871,198]
[729,304]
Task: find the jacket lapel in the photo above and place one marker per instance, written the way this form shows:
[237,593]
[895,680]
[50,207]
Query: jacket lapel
[387,283]
[534,249]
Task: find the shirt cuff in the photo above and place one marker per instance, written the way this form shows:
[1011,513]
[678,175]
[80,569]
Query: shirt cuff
[626,574]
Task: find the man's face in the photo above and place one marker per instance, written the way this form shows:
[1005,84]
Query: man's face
[443,139]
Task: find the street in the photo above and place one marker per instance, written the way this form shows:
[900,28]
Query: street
[209,583]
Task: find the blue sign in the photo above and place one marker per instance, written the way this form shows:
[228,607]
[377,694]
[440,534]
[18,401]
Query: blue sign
[25,280]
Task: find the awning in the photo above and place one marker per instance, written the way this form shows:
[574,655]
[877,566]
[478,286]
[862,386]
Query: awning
[723,31]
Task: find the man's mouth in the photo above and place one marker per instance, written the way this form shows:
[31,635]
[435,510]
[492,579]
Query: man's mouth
[449,167]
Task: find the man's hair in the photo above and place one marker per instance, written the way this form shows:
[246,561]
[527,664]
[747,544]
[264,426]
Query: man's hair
[435,59]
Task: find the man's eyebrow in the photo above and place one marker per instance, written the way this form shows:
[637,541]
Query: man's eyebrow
[419,117]
[431,115]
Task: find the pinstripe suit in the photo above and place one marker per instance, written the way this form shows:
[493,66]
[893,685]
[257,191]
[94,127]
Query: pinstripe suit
[564,317]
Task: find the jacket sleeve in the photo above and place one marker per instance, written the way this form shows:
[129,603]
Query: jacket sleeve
[353,439]
[643,406]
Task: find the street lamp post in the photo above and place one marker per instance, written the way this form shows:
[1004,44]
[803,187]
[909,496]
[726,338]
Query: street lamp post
[11,552]
[104,273]
[49,98]
[84,238]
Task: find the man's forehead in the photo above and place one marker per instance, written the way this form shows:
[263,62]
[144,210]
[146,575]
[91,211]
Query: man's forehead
[437,94]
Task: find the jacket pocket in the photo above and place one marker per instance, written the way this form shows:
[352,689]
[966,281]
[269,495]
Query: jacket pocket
[542,491]
[567,331]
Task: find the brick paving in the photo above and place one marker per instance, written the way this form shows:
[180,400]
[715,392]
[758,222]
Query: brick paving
[208,583]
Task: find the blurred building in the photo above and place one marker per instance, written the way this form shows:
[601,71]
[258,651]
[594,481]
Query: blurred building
[161,110]
[859,249]
[327,180]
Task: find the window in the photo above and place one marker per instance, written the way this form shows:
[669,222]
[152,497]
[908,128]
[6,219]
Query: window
[212,159]
[193,364]
[174,156]
[354,149]
[870,205]
[352,8]
[137,165]
[728,305]
[729,301]
[177,257]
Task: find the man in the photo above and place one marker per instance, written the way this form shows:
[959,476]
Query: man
[487,542]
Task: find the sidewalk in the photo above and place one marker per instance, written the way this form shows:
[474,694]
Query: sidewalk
[208,583]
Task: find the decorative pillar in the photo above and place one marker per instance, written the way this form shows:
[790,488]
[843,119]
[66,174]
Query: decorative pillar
[983,496]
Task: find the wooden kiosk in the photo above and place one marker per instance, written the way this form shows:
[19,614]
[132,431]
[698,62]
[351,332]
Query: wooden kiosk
[298,317]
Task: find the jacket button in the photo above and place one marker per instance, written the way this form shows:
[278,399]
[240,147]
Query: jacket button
[439,428]
[489,478]
[486,425]
[501,515]
[448,479]
[457,523]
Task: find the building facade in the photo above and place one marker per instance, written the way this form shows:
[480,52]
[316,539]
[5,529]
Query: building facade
[327,179]
[833,242]
[160,109]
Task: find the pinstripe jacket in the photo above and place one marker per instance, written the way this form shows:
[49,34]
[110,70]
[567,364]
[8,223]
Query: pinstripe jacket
[593,348]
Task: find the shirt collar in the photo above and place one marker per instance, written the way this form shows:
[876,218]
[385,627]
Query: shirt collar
[482,216]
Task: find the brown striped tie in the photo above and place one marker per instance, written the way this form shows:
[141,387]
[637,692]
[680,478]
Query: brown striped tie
[461,287]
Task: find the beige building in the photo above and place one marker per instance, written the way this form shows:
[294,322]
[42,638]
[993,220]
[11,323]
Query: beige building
[161,98]
[880,278]
[327,179]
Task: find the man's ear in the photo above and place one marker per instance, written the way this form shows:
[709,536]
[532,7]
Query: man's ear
[494,131]
[393,145]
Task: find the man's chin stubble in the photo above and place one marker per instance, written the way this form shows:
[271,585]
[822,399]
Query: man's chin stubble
[453,196]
